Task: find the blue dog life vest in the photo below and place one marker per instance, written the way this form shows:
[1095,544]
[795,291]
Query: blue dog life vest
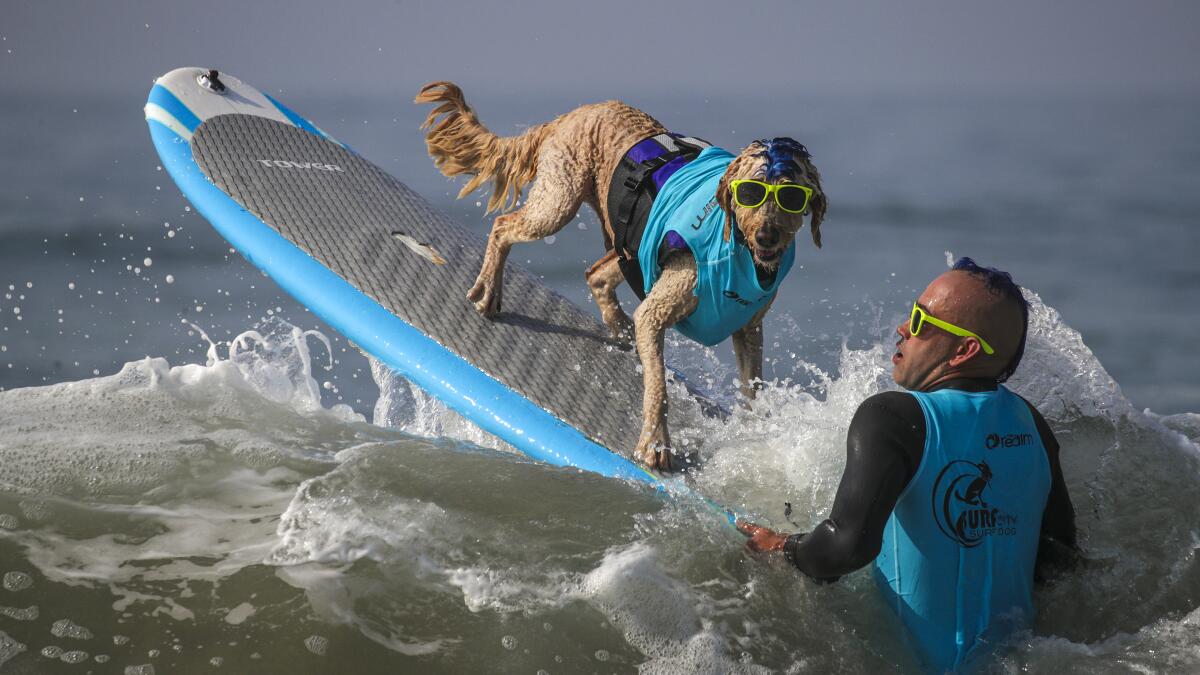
[958,552]
[727,285]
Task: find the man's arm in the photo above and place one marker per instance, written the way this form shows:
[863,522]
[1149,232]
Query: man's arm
[1058,549]
[883,450]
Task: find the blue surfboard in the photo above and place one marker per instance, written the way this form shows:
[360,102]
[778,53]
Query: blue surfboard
[374,260]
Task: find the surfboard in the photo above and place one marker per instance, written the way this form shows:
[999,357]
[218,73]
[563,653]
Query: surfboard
[378,263]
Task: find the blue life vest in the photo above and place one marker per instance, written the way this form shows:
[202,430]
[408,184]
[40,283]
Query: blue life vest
[958,552]
[727,284]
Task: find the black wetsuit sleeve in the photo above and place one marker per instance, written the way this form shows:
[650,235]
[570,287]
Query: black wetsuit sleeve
[1058,549]
[884,446]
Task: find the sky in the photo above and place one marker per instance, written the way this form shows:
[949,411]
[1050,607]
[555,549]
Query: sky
[610,48]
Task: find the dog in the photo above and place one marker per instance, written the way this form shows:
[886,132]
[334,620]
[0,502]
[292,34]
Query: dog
[655,227]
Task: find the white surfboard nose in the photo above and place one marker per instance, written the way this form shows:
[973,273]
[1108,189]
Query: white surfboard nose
[185,98]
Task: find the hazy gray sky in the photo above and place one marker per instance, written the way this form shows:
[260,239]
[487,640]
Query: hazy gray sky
[610,47]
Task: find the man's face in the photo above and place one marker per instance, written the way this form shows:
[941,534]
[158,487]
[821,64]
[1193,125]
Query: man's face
[919,361]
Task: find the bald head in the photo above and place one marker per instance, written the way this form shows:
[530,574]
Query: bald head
[966,299]
[981,300]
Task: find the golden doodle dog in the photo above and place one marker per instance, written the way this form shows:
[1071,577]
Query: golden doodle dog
[702,236]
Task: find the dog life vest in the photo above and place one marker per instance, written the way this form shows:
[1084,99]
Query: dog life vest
[686,214]
[959,549]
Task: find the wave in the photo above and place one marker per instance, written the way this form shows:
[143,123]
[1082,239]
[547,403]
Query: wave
[427,539]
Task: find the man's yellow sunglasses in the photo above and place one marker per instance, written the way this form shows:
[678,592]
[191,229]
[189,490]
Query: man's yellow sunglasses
[752,194]
[920,317]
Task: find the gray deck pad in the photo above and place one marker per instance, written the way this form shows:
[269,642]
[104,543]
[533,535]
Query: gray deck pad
[342,210]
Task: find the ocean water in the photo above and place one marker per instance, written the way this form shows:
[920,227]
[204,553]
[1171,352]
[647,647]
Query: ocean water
[197,475]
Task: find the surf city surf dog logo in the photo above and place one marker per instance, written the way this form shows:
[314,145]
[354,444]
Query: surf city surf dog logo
[288,164]
[960,506]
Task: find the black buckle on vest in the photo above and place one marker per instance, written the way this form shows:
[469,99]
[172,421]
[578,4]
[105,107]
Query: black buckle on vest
[639,192]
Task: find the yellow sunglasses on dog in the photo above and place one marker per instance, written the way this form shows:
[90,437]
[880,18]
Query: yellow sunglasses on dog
[752,194]
[919,317]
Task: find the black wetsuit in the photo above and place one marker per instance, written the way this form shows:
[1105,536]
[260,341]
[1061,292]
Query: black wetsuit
[884,447]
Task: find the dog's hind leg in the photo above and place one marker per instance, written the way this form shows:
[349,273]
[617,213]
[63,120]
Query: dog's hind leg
[603,278]
[553,201]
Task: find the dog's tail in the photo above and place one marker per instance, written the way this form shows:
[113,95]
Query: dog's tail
[460,144]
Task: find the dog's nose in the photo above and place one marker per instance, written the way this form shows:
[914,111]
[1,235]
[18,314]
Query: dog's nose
[766,238]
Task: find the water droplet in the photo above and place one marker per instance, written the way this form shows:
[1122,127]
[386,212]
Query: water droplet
[316,644]
[70,629]
[28,614]
[17,581]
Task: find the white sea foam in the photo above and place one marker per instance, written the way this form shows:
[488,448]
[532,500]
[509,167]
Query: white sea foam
[405,407]
[1059,373]
[129,432]
[166,490]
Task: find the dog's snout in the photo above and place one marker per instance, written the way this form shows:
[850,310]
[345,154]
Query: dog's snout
[766,237]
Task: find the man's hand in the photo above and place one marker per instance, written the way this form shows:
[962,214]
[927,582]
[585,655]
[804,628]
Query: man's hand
[761,538]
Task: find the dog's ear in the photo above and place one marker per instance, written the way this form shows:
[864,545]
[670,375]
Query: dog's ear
[725,198]
[817,207]
[735,169]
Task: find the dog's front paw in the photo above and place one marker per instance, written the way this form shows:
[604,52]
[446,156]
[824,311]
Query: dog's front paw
[486,296]
[655,454]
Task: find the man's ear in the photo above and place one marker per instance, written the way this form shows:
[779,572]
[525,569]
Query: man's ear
[966,350]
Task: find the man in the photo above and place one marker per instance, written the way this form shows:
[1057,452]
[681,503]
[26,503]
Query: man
[954,489]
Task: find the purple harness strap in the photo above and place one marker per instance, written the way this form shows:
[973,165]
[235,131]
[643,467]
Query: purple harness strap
[649,149]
